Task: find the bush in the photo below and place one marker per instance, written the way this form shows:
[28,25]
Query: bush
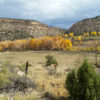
[50,60]
[23,67]
[83,84]
[12,83]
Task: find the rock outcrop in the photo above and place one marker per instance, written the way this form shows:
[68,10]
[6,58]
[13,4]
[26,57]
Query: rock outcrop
[11,29]
[86,25]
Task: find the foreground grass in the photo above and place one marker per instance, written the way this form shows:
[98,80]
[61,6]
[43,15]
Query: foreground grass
[54,84]
[32,96]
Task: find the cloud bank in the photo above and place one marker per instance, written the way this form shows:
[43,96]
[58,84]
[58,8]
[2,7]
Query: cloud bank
[59,13]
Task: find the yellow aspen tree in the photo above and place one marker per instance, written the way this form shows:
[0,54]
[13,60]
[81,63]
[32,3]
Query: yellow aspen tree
[71,34]
[66,35]
[94,33]
[99,33]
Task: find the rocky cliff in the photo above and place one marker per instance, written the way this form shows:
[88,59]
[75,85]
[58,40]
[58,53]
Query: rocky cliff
[86,25]
[11,29]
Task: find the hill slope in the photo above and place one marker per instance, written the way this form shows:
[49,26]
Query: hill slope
[86,25]
[11,29]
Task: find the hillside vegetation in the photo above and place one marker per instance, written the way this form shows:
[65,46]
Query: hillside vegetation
[86,25]
[11,29]
[66,42]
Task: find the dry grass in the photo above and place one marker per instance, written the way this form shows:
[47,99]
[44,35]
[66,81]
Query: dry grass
[47,83]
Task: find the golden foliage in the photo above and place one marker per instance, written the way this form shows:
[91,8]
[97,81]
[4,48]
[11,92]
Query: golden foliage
[42,43]
[99,33]
[79,38]
[98,48]
[71,34]
[94,33]
[66,35]
[75,43]
[86,34]
[1,48]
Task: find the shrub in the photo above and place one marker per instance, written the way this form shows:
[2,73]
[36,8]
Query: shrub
[66,35]
[94,33]
[71,34]
[85,84]
[50,60]
[79,38]
[98,48]
[86,34]
[11,83]
[99,33]
[23,67]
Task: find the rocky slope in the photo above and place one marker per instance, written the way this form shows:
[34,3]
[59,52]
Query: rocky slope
[86,25]
[11,29]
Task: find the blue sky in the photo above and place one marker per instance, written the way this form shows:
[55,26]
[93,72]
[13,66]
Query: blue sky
[58,13]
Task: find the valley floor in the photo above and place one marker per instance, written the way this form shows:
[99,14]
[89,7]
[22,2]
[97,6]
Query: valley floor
[38,72]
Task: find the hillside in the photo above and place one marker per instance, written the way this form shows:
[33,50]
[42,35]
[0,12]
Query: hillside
[86,25]
[11,29]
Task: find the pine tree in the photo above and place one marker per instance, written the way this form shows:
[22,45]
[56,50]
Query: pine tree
[71,85]
[85,84]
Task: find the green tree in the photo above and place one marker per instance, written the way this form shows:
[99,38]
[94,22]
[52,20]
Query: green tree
[84,84]
[71,84]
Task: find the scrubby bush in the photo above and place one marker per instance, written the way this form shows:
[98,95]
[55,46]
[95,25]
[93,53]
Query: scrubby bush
[84,84]
[65,35]
[94,33]
[11,82]
[50,60]
[99,33]
[86,34]
[71,34]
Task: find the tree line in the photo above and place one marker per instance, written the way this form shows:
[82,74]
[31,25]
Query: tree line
[41,43]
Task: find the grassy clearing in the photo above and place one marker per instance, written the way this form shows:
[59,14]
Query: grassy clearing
[53,84]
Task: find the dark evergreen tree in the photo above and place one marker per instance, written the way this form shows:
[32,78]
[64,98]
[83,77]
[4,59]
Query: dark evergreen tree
[85,84]
[71,85]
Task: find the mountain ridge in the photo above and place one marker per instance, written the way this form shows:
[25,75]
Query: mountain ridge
[11,29]
[85,25]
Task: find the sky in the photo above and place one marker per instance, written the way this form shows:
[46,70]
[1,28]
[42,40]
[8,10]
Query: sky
[58,13]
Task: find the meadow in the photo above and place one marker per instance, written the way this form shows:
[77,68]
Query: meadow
[67,49]
[54,84]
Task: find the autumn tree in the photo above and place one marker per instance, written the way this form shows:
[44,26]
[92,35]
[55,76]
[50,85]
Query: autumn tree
[30,44]
[94,33]
[57,42]
[66,44]
[41,43]
[99,33]
[66,35]
[71,34]
[86,34]
[46,43]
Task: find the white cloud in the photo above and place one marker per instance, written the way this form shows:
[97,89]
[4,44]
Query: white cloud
[51,10]
[47,9]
